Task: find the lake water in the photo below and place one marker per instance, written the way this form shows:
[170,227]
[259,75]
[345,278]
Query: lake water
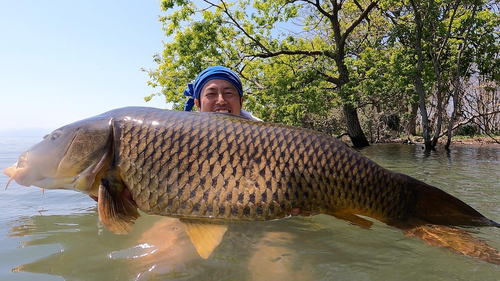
[56,235]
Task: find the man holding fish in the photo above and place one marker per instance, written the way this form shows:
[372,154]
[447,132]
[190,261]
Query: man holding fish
[209,168]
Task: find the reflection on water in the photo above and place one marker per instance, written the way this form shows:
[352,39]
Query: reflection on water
[57,235]
[160,248]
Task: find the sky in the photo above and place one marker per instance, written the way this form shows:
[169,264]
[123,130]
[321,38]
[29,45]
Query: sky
[66,60]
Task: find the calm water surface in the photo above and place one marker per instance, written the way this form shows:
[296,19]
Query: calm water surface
[57,235]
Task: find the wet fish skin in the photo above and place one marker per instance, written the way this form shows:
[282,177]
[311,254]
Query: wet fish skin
[224,167]
[219,166]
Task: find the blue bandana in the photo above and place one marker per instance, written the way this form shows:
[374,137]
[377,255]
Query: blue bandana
[215,72]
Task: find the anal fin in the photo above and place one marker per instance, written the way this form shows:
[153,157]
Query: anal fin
[204,236]
[116,211]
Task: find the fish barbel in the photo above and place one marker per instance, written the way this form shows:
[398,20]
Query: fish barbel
[221,167]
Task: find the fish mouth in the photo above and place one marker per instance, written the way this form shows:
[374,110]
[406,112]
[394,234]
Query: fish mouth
[28,171]
[11,172]
[24,175]
[17,171]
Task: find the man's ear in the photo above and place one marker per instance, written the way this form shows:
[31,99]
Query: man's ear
[241,101]
[197,103]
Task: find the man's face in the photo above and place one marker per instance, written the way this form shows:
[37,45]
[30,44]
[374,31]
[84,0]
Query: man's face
[219,96]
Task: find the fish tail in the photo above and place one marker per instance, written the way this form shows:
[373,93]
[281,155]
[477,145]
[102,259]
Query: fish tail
[433,205]
[433,216]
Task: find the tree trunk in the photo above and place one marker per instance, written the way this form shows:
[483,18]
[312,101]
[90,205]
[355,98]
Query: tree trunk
[457,80]
[425,117]
[412,123]
[418,77]
[439,121]
[439,95]
[354,130]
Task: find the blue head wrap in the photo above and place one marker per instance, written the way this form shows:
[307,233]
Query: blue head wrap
[193,90]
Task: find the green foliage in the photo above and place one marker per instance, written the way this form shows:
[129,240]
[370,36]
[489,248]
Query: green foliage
[468,130]
[300,61]
[283,50]
[194,47]
[485,51]
[295,92]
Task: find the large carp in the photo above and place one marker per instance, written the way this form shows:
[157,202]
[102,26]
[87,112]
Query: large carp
[206,168]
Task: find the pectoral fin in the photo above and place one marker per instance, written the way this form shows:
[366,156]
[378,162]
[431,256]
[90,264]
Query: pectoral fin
[116,211]
[353,218]
[204,236]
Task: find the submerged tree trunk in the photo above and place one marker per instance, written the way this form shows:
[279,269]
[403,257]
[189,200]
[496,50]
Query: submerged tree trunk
[418,77]
[354,130]
[439,122]
[425,118]
[457,79]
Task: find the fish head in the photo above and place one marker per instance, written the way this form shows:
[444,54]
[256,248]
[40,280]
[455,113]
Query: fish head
[70,157]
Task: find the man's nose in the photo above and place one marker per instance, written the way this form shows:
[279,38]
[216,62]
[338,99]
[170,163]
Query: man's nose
[220,99]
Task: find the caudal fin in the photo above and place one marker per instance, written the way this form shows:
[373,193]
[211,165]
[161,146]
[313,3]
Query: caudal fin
[435,206]
[435,213]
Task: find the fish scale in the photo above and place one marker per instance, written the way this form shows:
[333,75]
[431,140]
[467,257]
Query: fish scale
[220,166]
[207,160]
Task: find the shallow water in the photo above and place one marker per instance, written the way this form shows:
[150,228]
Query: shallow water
[57,235]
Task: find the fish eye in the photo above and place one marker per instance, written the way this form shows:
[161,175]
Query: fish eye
[55,135]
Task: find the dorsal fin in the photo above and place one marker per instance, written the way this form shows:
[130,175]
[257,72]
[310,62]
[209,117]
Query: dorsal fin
[204,236]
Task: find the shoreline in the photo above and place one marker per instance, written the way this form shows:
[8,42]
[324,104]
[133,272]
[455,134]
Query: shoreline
[471,141]
[474,141]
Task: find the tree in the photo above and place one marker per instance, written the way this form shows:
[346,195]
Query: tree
[437,32]
[456,79]
[291,54]
[311,63]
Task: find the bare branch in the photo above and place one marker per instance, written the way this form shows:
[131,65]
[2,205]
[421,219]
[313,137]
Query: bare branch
[470,120]
[235,23]
[486,132]
[361,17]
[326,53]
[317,4]
[358,5]
[330,79]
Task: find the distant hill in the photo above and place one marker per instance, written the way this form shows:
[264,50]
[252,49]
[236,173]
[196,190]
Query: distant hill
[26,132]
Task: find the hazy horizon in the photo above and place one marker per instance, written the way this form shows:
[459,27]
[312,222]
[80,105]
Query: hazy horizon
[25,132]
